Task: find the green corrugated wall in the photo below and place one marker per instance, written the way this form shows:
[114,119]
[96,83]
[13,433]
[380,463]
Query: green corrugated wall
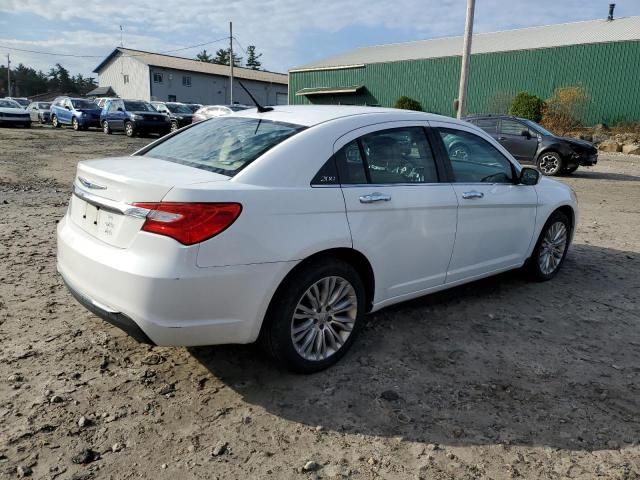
[610,73]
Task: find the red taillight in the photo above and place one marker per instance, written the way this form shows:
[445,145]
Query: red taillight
[189,223]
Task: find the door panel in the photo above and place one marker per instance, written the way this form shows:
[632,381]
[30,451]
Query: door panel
[521,147]
[496,217]
[405,226]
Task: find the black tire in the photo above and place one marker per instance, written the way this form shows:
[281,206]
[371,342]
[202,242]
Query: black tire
[276,335]
[174,127]
[550,163]
[75,124]
[41,119]
[533,265]
[129,131]
[106,129]
[55,122]
[570,170]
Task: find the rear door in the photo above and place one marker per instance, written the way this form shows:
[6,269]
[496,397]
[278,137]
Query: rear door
[516,137]
[496,216]
[116,115]
[401,217]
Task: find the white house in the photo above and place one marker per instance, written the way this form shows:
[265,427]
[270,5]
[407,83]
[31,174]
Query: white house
[136,74]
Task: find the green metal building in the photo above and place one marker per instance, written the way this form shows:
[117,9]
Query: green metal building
[603,56]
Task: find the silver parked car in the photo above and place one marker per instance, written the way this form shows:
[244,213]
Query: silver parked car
[210,111]
[39,111]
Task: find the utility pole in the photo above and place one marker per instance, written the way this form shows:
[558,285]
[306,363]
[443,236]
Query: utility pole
[466,55]
[8,76]
[231,62]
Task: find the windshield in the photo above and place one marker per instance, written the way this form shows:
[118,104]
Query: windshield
[224,145]
[138,107]
[9,104]
[80,103]
[178,108]
[538,128]
[237,108]
[44,106]
[21,101]
[193,108]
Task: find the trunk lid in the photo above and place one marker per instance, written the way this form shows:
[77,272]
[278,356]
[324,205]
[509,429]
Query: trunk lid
[104,187]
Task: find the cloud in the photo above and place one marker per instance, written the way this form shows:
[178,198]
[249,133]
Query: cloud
[275,26]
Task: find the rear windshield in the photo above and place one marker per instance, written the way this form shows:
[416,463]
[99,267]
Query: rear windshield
[178,108]
[224,144]
[83,104]
[9,104]
[138,107]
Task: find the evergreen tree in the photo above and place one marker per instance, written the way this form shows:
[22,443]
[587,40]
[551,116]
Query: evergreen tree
[253,60]
[203,56]
[222,58]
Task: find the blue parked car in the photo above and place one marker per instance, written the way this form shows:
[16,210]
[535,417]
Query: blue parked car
[80,113]
[133,117]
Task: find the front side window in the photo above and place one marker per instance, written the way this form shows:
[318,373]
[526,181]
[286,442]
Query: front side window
[157,78]
[473,159]
[186,80]
[224,145]
[138,106]
[82,104]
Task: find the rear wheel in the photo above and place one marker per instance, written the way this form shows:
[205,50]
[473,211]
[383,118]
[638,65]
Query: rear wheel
[550,163]
[551,248]
[315,316]
[174,127]
[128,129]
[106,128]
[55,122]
[74,124]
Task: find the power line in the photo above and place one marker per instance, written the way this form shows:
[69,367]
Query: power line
[102,56]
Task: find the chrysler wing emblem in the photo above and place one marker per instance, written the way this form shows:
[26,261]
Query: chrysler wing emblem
[91,185]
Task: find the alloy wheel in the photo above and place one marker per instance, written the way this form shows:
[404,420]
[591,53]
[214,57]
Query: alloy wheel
[74,124]
[174,127]
[324,318]
[549,164]
[552,248]
[54,121]
[128,129]
[105,126]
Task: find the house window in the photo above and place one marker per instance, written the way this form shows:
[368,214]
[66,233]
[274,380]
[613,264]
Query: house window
[126,78]
[186,81]
[171,98]
[157,78]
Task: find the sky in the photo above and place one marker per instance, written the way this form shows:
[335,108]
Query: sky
[288,33]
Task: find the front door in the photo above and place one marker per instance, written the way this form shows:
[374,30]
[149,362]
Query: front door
[116,115]
[401,217]
[518,139]
[496,216]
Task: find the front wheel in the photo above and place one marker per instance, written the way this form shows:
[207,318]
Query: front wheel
[174,127]
[570,170]
[315,316]
[128,129]
[550,163]
[55,122]
[106,128]
[74,124]
[551,248]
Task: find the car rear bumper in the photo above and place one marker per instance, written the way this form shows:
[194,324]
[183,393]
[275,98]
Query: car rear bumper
[154,291]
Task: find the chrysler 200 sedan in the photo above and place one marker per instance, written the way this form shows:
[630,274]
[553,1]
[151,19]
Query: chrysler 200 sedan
[288,226]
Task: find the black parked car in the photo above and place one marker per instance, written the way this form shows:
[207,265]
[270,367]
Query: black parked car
[181,115]
[133,117]
[529,142]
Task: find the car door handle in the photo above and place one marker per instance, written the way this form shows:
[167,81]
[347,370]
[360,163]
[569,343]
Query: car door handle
[501,139]
[375,197]
[473,194]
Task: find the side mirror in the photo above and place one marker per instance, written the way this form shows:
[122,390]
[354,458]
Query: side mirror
[525,133]
[529,176]
[68,107]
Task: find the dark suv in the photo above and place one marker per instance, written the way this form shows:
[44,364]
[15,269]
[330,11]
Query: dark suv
[529,142]
[133,117]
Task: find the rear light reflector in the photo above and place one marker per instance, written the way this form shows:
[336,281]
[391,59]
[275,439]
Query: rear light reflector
[189,223]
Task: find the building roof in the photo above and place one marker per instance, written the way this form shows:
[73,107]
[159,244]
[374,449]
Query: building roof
[189,65]
[101,92]
[577,33]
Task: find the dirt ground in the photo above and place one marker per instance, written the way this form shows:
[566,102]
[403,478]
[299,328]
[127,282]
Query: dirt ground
[498,379]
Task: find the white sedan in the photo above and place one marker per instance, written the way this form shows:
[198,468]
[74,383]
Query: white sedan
[288,226]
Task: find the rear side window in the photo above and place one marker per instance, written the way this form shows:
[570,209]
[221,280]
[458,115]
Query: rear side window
[224,144]
[489,125]
[399,155]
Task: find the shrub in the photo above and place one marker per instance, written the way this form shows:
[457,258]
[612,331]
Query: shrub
[407,103]
[528,106]
[564,111]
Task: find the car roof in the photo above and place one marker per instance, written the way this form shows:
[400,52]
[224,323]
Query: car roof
[309,115]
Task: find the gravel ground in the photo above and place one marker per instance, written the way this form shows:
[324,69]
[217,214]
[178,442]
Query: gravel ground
[497,379]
